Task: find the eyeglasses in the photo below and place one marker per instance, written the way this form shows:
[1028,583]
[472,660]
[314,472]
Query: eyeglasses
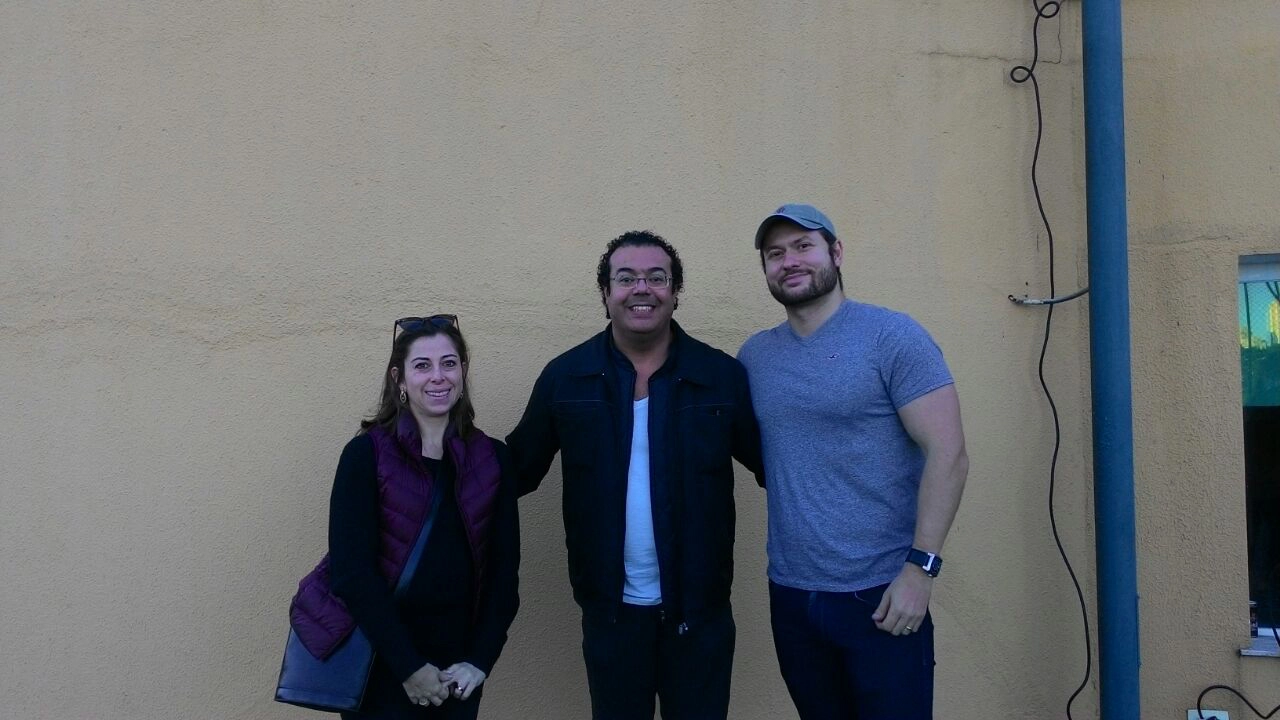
[414,324]
[628,281]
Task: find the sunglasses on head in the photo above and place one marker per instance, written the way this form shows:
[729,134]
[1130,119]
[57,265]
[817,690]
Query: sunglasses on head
[414,324]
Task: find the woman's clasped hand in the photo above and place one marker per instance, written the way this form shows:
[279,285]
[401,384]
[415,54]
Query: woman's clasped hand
[432,686]
[426,687]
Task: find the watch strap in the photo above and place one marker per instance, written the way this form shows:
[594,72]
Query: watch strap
[931,563]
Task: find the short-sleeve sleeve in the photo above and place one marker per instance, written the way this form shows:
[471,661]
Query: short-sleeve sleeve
[912,362]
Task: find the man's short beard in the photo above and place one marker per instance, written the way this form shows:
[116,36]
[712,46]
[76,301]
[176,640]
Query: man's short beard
[821,282]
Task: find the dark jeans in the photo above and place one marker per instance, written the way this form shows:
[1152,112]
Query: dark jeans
[642,655]
[839,666]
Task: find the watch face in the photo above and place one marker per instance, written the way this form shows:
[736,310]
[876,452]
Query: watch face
[930,563]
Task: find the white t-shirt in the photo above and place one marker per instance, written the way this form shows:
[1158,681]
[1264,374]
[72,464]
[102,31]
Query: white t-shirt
[639,551]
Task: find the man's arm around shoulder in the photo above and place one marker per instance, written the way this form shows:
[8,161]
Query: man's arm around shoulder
[533,443]
[746,429]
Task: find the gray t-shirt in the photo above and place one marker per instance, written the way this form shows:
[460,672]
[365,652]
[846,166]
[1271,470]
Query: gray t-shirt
[841,472]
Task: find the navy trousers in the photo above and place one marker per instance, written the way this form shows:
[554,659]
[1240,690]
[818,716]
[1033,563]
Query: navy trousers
[838,666]
[643,654]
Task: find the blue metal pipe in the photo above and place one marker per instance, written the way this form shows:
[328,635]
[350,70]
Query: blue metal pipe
[1118,653]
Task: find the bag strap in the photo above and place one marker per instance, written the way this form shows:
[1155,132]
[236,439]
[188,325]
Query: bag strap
[411,565]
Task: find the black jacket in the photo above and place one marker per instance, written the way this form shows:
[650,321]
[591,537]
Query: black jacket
[700,416]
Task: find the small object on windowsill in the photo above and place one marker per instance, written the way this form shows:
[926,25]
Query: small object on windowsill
[1262,646]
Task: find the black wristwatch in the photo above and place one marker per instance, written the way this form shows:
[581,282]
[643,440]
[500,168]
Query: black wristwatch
[930,563]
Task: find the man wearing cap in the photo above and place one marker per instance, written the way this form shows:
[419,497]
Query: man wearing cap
[647,422]
[865,462]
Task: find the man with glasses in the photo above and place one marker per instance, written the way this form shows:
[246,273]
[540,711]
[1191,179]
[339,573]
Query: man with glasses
[646,420]
[866,463]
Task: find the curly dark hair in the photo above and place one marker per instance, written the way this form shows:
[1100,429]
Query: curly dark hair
[640,238]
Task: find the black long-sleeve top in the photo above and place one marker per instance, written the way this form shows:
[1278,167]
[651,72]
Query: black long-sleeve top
[442,588]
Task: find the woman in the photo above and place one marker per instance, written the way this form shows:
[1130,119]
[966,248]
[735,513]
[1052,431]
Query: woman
[436,641]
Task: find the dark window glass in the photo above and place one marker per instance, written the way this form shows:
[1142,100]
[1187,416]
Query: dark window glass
[1260,386]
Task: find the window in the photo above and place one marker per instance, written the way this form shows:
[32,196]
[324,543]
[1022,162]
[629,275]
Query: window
[1260,379]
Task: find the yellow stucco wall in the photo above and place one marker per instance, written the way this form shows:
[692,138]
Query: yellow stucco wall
[211,212]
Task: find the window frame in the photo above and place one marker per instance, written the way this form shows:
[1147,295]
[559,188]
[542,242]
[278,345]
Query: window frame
[1262,267]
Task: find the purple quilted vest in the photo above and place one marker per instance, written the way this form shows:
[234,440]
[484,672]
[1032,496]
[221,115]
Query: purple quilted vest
[320,618]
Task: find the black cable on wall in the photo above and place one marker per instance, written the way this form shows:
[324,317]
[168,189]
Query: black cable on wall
[1022,74]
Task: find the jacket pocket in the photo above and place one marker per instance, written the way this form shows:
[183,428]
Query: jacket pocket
[582,426]
[705,435]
